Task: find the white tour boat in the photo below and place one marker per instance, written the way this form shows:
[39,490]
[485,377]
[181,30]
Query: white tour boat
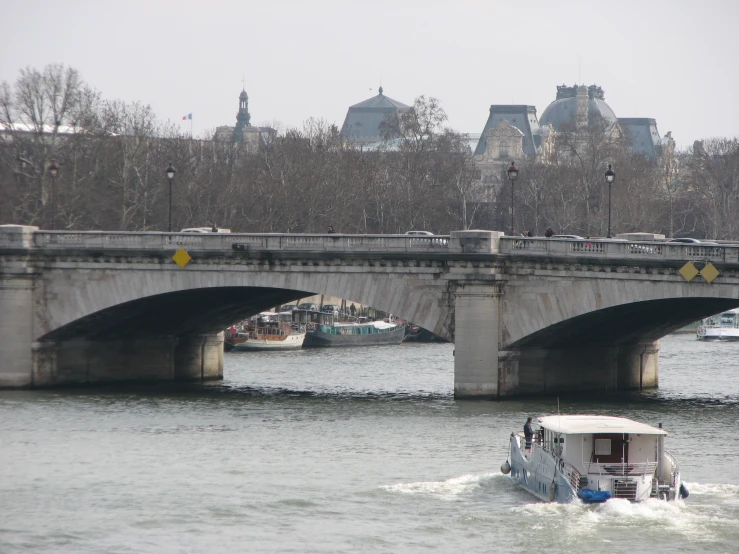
[270,331]
[723,326]
[594,458]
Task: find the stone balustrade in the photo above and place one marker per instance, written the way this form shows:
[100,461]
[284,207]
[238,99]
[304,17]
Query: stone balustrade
[477,242]
[229,241]
[613,248]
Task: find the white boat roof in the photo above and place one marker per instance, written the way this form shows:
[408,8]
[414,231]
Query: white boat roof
[585,424]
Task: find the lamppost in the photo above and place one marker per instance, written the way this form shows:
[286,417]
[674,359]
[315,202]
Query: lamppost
[610,177]
[170,175]
[512,175]
[53,170]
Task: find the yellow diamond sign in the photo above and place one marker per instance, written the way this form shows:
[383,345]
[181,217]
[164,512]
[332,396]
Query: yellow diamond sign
[181,257]
[688,271]
[709,273]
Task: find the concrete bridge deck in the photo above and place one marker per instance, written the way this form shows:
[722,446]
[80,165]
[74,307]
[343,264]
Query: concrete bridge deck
[527,315]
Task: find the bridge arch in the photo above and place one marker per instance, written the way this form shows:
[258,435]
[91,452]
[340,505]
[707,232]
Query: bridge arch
[651,305]
[596,333]
[140,303]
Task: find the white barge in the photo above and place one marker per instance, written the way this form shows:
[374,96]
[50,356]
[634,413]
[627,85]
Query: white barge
[721,327]
[594,458]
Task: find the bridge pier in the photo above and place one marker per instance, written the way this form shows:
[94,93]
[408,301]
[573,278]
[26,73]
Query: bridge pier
[639,366]
[594,368]
[97,361]
[476,336]
[16,330]
[17,284]
[199,358]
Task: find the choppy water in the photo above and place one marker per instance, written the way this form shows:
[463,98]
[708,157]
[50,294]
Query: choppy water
[359,450]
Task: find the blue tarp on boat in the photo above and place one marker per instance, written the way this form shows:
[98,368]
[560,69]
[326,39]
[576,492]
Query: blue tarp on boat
[590,496]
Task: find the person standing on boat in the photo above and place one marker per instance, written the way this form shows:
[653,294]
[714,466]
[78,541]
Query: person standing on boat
[528,433]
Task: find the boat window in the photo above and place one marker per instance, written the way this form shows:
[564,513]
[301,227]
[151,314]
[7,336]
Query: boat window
[602,447]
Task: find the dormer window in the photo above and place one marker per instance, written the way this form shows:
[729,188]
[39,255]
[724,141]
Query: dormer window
[503,149]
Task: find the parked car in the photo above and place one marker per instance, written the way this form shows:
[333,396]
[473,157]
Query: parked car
[205,230]
[689,240]
[330,309]
[308,306]
[420,233]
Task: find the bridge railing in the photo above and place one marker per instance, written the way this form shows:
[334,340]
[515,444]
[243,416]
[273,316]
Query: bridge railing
[610,248]
[249,242]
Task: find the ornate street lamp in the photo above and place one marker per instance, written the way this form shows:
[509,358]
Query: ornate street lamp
[170,175]
[512,175]
[610,178]
[53,170]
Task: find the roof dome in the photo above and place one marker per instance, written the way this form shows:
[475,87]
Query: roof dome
[563,111]
[363,120]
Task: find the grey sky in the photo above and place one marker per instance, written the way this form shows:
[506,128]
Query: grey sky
[673,60]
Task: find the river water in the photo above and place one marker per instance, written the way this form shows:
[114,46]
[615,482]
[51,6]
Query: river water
[348,450]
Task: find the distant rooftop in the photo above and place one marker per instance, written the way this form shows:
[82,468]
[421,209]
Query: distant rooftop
[520,116]
[363,120]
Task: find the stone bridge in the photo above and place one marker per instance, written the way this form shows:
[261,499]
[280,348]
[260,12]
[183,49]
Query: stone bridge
[527,315]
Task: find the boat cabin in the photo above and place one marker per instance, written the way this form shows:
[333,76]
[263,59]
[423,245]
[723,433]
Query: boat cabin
[601,448]
[311,318]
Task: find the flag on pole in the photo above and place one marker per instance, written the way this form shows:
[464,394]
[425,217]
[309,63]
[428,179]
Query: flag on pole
[188,116]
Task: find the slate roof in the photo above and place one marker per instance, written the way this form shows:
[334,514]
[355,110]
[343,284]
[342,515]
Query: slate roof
[643,134]
[521,116]
[562,113]
[363,120]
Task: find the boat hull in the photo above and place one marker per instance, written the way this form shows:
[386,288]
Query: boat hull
[292,341]
[537,472]
[718,334]
[318,338]
[419,334]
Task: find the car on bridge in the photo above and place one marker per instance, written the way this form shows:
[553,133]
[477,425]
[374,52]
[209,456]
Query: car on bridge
[689,240]
[205,230]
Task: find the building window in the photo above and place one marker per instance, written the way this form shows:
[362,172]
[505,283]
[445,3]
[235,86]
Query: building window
[503,149]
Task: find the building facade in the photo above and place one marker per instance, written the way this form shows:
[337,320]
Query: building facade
[513,132]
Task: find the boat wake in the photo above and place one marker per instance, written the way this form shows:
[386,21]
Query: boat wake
[450,489]
[720,490]
[710,510]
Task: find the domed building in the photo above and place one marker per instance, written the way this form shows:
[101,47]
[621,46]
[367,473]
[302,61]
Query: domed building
[363,120]
[576,107]
[513,132]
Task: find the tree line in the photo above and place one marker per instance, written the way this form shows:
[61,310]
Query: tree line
[112,155]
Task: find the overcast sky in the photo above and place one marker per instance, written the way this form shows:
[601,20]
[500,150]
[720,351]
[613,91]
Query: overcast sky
[672,60]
